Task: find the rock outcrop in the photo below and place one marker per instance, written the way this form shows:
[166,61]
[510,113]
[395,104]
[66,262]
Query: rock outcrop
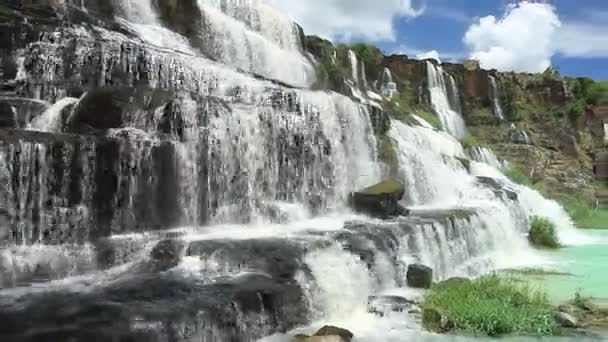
[419,276]
[380,200]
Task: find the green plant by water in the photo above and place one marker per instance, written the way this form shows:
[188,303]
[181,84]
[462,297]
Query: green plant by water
[491,305]
[543,233]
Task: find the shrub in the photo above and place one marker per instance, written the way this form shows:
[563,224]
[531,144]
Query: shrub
[369,54]
[516,175]
[543,233]
[429,117]
[491,306]
[470,141]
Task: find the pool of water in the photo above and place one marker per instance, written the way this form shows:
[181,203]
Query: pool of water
[585,269]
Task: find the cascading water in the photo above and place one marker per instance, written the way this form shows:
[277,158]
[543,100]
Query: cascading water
[51,120]
[485,155]
[445,100]
[389,87]
[495,96]
[107,218]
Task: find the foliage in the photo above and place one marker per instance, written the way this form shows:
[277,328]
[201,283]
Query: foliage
[518,176]
[588,91]
[491,306]
[405,104]
[585,216]
[470,140]
[429,117]
[368,54]
[386,151]
[543,233]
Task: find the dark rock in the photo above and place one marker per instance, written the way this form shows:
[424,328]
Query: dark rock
[498,187]
[519,136]
[8,115]
[435,321]
[419,276]
[329,330]
[168,253]
[380,200]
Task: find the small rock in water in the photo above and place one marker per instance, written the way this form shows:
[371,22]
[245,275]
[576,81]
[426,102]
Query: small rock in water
[419,276]
[330,333]
[167,253]
[566,320]
[385,304]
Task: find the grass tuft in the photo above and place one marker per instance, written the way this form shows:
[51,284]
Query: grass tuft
[491,305]
[518,176]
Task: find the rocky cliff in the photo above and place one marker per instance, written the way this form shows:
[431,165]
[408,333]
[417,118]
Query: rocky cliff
[530,120]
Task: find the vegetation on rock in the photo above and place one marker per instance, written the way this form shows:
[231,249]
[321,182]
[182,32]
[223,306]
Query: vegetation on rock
[543,233]
[491,305]
[518,176]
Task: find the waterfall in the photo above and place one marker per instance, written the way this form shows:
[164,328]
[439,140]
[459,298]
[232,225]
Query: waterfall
[485,155]
[389,88]
[445,100]
[210,204]
[270,49]
[52,119]
[354,66]
[495,96]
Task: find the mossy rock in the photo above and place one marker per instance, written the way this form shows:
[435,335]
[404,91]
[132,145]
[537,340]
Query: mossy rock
[380,200]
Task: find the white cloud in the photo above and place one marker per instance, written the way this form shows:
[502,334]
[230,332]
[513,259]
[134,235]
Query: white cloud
[346,19]
[530,34]
[522,40]
[433,54]
[584,40]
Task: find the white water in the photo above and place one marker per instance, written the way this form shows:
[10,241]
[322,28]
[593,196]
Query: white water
[389,87]
[487,156]
[266,51]
[51,120]
[249,142]
[354,66]
[447,107]
[495,94]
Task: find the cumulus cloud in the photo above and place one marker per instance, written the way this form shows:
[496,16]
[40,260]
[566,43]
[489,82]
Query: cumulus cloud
[528,35]
[522,40]
[346,19]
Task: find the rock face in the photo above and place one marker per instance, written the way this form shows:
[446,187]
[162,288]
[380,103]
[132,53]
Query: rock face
[380,200]
[419,276]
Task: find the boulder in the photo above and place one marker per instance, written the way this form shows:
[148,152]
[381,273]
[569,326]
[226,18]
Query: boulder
[380,200]
[8,116]
[566,320]
[305,338]
[329,330]
[434,321]
[168,253]
[419,276]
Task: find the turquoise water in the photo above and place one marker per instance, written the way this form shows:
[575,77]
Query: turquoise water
[586,267]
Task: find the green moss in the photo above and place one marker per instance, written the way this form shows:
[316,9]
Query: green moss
[470,140]
[517,175]
[466,163]
[491,306]
[386,187]
[429,117]
[386,151]
[543,233]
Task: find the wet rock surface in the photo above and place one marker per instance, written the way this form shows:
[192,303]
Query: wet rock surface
[419,276]
[380,200]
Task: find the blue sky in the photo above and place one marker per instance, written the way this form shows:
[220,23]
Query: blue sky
[571,35]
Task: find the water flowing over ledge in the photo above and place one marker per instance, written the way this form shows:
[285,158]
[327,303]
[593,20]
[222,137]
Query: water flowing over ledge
[171,194]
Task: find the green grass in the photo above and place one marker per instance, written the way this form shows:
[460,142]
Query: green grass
[543,233]
[429,117]
[585,216]
[491,305]
[517,175]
